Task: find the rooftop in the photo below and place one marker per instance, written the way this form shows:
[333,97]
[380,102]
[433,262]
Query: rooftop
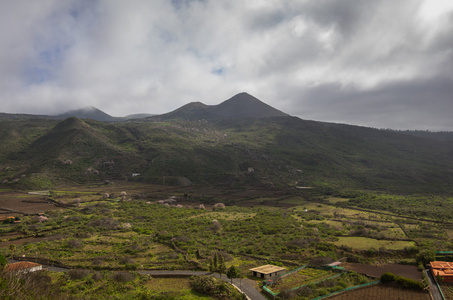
[23,265]
[267,269]
[442,268]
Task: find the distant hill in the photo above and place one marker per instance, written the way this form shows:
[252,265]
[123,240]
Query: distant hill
[239,106]
[89,112]
[137,116]
[245,142]
[7,116]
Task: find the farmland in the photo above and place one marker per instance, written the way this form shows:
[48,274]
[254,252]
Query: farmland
[379,292]
[302,277]
[447,290]
[142,227]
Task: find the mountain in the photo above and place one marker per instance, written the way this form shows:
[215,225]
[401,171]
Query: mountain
[137,116]
[261,147]
[74,151]
[89,112]
[239,106]
[244,105]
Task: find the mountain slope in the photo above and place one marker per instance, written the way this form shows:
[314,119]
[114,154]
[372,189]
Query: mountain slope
[266,150]
[89,112]
[239,106]
[244,105]
[75,151]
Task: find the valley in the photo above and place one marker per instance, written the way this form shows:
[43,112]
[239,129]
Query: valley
[152,227]
[113,202]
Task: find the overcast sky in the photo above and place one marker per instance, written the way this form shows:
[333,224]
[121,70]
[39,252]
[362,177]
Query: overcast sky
[376,63]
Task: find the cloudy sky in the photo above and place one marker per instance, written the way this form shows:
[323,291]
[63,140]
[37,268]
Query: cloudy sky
[377,63]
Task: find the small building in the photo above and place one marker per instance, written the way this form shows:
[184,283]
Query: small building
[23,267]
[442,269]
[267,271]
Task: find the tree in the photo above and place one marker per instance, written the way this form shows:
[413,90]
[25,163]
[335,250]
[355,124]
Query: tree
[221,267]
[211,266]
[425,256]
[232,273]
[3,261]
[215,261]
[12,248]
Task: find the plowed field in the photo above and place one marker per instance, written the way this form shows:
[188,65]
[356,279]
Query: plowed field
[379,292]
[376,271]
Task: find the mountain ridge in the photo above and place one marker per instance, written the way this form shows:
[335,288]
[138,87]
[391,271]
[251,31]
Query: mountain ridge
[242,105]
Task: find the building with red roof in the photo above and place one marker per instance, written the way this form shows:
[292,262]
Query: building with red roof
[442,269]
[23,267]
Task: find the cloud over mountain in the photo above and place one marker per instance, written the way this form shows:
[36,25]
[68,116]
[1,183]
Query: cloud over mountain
[335,60]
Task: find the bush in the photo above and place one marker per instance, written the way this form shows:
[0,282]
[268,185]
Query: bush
[127,260]
[211,286]
[402,281]
[305,291]
[106,224]
[425,257]
[409,283]
[74,244]
[123,276]
[287,295]
[76,274]
[388,277]
[97,276]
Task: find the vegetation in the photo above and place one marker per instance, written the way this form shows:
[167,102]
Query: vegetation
[277,151]
[220,195]
[211,286]
[407,283]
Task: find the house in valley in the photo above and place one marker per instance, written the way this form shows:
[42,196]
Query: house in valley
[442,270]
[23,267]
[267,271]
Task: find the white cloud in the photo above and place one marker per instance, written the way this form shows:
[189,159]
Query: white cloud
[154,56]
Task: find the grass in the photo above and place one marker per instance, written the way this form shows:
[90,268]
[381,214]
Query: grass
[334,200]
[303,277]
[364,243]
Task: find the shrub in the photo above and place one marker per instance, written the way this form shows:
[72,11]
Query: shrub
[287,295]
[75,274]
[106,224]
[402,281]
[425,257]
[388,277]
[74,244]
[211,286]
[126,260]
[305,291]
[123,276]
[409,283]
[97,276]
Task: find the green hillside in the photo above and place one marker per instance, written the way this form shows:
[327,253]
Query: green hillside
[274,151]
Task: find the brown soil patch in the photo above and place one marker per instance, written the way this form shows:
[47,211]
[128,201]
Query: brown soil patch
[32,240]
[379,292]
[23,203]
[376,271]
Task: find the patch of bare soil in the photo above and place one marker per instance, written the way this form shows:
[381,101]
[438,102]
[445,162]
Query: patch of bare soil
[31,240]
[406,271]
[379,292]
[15,203]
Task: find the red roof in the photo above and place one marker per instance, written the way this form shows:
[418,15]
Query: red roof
[442,268]
[23,265]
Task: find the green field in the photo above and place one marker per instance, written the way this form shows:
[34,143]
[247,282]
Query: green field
[363,243]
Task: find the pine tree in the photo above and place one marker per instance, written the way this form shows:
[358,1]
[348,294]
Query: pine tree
[211,266]
[232,273]
[215,261]
[221,267]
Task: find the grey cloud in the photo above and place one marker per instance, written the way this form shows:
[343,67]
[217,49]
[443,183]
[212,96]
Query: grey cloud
[365,61]
[400,105]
